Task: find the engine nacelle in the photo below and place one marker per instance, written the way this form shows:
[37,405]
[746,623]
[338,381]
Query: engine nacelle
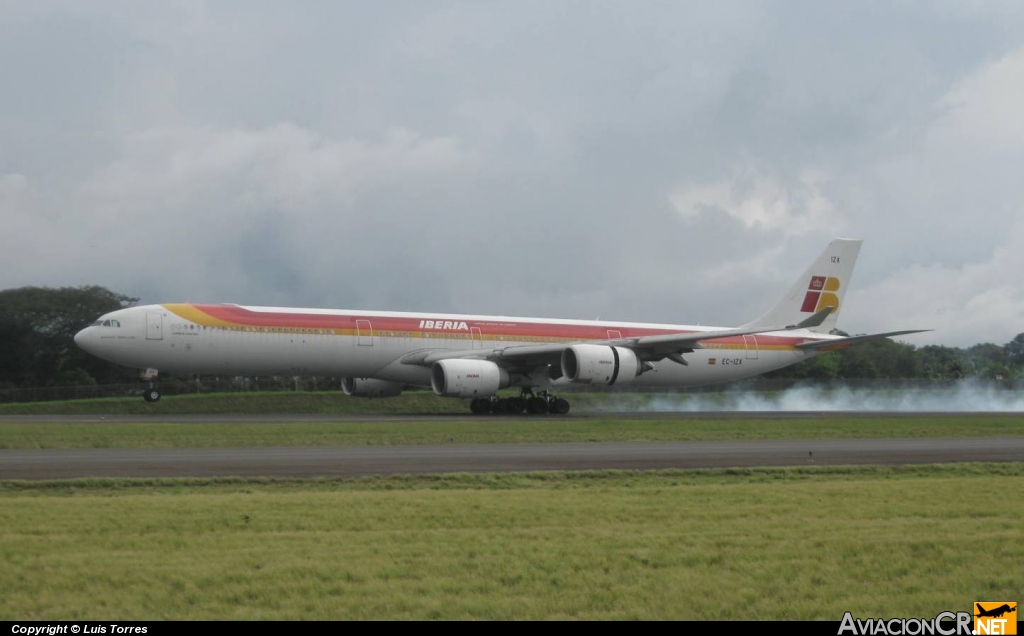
[467,378]
[369,387]
[599,364]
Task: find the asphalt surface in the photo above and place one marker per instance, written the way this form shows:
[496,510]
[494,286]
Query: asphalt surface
[352,461]
[232,418]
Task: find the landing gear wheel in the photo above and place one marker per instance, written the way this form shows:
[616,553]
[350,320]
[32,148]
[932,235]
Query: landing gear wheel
[516,406]
[480,406]
[559,406]
[151,395]
[536,406]
[509,406]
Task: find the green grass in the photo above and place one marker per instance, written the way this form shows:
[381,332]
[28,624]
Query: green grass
[425,402]
[807,543]
[327,402]
[233,403]
[794,543]
[488,430]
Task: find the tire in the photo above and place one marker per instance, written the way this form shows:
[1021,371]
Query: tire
[537,406]
[151,395]
[560,406]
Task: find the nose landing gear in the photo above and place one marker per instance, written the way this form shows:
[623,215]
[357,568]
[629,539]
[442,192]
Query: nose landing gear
[152,394]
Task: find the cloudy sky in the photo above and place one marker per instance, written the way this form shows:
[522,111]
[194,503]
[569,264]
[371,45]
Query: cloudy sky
[657,161]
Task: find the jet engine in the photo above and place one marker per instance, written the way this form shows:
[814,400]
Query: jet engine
[599,364]
[369,387]
[467,378]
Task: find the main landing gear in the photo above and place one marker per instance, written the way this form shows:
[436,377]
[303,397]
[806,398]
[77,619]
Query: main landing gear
[527,402]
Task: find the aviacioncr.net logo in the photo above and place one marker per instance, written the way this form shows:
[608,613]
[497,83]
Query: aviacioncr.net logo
[995,618]
[944,624]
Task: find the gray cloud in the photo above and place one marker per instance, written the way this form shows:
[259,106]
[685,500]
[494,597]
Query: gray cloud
[646,162]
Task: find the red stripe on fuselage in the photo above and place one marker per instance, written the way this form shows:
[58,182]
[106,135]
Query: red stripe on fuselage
[511,329]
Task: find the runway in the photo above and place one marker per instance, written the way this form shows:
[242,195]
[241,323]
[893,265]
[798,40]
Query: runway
[255,418]
[355,461]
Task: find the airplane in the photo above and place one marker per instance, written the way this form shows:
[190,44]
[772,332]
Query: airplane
[379,353]
[995,612]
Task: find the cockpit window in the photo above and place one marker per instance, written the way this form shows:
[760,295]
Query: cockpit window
[106,323]
[97,323]
[115,323]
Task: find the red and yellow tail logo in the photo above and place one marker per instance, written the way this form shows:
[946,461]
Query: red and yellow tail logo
[821,294]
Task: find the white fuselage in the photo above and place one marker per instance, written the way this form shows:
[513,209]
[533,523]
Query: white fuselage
[236,340]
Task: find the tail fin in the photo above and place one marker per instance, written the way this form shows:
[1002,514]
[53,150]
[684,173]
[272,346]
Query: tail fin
[823,285]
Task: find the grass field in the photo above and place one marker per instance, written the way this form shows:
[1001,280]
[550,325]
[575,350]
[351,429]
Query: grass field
[798,543]
[734,544]
[425,402]
[410,402]
[488,430]
[327,402]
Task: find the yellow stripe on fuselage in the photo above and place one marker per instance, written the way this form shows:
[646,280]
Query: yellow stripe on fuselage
[196,315]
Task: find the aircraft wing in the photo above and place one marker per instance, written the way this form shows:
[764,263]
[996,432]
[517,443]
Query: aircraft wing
[835,344]
[654,347]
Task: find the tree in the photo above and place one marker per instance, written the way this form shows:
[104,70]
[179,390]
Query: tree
[17,342]
[823,367]
[1014,351]
[858,363]
[987,360]
[942,363]
[37,331]
[882,358]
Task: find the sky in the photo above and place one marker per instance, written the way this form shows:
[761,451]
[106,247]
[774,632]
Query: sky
[678,162]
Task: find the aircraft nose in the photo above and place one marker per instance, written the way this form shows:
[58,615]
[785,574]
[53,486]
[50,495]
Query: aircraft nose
[82,338]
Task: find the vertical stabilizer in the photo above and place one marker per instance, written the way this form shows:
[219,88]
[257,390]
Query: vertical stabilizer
[824,284]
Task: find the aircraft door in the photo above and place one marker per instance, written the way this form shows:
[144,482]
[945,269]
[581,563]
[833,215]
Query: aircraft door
[364,333]
[750,342]
[154,326]
[477,337]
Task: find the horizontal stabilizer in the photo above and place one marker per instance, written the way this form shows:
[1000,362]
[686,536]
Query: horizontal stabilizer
[841,343]
[813,321]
